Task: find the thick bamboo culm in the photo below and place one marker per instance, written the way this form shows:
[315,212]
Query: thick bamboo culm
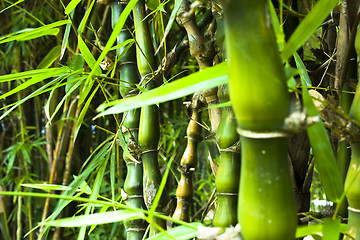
[185,189]
[133,187]
[260,101]
[228,175]
[149,129]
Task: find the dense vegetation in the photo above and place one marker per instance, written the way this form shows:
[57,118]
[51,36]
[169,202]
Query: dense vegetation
[179,119]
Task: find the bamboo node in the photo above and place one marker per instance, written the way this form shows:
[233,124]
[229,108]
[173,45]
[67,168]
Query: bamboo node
[227,194]
[135,229]
[262,135]
[354,210]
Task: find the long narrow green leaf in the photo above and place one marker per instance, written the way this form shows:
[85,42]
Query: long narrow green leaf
[50,57]
[66,35]
[31,73]
[179,233]
[36,79]
[94,194]
[85,18]
[96,218]
[31,33]
[83,112]
[71,6]
[325,161]
[208,78]
[308,26]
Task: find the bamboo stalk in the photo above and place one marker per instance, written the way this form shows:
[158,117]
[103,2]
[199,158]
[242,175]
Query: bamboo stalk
[260,101]
[149,128]
[228,175]
[133,187]
[188,164]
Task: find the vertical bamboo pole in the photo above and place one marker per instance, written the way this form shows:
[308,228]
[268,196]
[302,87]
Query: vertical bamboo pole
[261,102]
[228,175]
[149,128]
[133,186]
[185,189]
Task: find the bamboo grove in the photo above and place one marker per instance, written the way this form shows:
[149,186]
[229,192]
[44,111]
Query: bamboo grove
[179,119]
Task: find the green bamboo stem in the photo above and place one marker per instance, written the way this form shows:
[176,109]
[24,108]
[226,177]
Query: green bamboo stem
[228,175]
[260,101]
[133,186]
[149,128]
[185,189]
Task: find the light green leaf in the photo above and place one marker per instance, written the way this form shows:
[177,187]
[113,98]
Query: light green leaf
[179,233]
[308,26]
[331,229]
[31,33]
[208,78]
[96,218]
[85,18]
[325,161]
[50,58]
[300,65]
[305,230]
[31,73]
[35,79]
[71,6]
[46,187]
[66,36]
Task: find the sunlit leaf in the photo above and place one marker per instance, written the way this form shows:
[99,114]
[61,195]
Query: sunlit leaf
[31,33]
[179,233]
[208,78]
[71,6]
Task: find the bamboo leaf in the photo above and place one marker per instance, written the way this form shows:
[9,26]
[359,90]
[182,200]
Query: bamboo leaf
[31,33]
[85,18]
[96,218]
[93,196]
[307,27]
[208,78]
[36,79]
[50,57]
[66,36]
[83,112]
[46,187]
[179,233]
[300,65]
[71,6]
[331,229]
[31,73]
[324,156]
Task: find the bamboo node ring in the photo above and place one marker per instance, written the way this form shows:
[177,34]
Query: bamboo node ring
[354,210]
[227,194]
[262,135]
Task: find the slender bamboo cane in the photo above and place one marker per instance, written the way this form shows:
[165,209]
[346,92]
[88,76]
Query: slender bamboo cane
[228,175]
[133,187]
[149,129]
[185,189]
[260,102]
